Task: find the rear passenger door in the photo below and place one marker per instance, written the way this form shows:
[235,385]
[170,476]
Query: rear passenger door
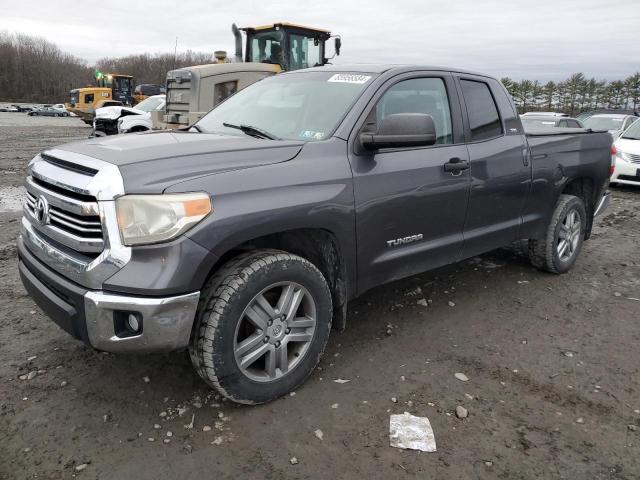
[500,170]
[409,210]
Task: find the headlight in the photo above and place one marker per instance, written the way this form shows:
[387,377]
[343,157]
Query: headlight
[144,219]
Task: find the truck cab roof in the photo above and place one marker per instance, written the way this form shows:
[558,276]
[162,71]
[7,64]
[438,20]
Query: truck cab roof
[380,68]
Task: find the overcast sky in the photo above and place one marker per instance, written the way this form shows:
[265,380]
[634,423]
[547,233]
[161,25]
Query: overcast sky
[536,39]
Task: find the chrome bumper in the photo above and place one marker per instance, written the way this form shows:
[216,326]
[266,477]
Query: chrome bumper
[166,322]
[603,204]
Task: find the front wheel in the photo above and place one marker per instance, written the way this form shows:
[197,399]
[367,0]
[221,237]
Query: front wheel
[262,325]
[559,249]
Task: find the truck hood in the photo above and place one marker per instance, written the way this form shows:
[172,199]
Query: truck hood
[151,162]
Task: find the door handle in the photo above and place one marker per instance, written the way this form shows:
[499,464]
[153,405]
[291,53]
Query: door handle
[456,164]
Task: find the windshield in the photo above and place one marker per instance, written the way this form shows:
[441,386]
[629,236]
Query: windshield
[150,104]
[633,132]
[301,106]
[537,122]
[604,123]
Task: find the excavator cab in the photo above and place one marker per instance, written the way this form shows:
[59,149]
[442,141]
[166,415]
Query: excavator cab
[288,45]
[270,49]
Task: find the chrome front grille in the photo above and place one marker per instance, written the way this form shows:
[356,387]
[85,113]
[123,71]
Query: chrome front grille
[70,222]
[630,157]
[64,215]
[79,229]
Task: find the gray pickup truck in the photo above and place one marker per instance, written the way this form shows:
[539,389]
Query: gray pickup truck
[244,237]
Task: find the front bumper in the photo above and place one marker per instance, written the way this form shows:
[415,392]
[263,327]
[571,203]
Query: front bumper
[626,172]
[90,315]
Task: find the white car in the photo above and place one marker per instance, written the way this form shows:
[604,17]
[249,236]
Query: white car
[627,156]
[116,120]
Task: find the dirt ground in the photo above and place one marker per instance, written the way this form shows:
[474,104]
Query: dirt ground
[552,361]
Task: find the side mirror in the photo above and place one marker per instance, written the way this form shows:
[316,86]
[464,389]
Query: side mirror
[337,43]
[401,130]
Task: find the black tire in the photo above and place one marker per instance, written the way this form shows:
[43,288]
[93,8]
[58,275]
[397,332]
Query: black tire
[222,307]
[544,253]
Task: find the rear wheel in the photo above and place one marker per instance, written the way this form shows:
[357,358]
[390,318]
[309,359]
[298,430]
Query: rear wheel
[262,324]
[559,249]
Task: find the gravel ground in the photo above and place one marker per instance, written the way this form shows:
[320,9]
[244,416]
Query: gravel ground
[553,386]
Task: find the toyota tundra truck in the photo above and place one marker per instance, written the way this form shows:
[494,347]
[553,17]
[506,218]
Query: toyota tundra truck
[243,237]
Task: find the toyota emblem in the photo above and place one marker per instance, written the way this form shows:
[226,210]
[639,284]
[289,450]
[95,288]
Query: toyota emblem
[41,211]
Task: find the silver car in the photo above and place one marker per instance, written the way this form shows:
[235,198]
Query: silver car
[615,123]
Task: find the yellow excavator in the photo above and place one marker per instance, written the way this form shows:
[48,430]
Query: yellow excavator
[110,89]
[270,49]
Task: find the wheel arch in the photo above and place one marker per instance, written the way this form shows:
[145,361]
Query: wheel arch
[320,246]
[583,188]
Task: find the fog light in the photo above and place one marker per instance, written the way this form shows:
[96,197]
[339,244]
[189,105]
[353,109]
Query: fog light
[132,323]
[127,324]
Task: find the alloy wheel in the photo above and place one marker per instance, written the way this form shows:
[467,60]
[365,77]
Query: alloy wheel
[275,331]
[569,235]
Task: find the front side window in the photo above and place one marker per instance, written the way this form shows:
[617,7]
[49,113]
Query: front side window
[296,106]
[88,98]
[304,52]
[419,95]
[484,120]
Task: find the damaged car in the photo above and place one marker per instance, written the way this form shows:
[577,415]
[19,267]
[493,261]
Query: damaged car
[116,119]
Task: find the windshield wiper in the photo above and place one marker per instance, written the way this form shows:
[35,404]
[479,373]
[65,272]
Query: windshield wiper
[252,131]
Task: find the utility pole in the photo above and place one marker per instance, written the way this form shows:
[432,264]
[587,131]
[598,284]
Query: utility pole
[175,54]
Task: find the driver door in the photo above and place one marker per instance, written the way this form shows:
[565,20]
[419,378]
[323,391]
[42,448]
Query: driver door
[409,211]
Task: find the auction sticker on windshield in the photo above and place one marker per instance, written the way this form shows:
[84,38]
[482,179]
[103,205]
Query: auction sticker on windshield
[349,78]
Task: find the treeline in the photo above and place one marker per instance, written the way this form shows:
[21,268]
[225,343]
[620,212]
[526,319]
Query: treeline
[575,94]
[33,69]
[152,68]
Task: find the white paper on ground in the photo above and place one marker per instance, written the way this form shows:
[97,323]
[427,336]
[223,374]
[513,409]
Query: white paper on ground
[409,432]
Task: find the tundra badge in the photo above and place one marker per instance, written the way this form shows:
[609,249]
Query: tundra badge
[404,240]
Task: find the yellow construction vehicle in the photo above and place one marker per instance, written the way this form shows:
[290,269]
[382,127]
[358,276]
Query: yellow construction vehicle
[270,49]
[111,89]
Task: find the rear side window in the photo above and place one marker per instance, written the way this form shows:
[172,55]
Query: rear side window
[484,119]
